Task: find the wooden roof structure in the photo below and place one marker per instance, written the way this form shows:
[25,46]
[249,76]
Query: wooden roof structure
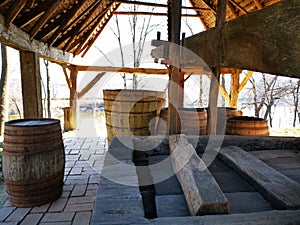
[74,25]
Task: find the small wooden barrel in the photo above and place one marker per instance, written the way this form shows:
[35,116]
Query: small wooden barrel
[33,161]
[193,121]
[131,112]
[247,126]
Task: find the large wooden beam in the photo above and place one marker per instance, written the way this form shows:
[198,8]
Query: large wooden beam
[234,94]
[215,79]
[281,191]
[31,85]
[174,92]
[18,39]
[263,41]
[202,193]
[90,85]
[73,99]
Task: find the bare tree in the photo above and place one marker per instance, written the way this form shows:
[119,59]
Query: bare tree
[140,28]
[295,90]
[3,86]
[46,62]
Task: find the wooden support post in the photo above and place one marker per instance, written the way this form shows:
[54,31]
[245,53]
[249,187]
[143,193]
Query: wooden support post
[214,85]
[174,84]
[73,99]
[31,85]
[202,193]
[234,94]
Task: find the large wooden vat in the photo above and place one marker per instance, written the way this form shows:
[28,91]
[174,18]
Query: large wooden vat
[131,112]
[193,121]
[223,114]
[33,161]
[247,126]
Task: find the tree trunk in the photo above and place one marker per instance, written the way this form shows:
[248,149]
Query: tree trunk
[3,87]
[296,102]
[46,62]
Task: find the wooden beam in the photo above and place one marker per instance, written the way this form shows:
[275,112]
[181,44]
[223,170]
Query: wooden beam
[73,99]
[159,5]
[14,11]
[215,79]
[44,18]
[258,4]
[263,41]
[279,190]
[238,6]
[31,85]
[210,6]
[64,68]
[232,10]
[18,39]
[234,94]
[174,90]
[122,70]
[67,18]
[90,85]
[126,13]
[245,80]
[202,193]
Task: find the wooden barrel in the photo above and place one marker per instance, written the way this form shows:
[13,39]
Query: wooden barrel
[223,114]
[131,112]
[193,121]
[247,126]
[33,161]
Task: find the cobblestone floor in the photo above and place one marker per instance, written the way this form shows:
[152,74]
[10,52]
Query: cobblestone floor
[84,161]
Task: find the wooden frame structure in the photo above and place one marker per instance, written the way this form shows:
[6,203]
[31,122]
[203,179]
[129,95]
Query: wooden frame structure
[54,29]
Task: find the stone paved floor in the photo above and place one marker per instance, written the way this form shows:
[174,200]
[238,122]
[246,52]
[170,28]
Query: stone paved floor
[84,161]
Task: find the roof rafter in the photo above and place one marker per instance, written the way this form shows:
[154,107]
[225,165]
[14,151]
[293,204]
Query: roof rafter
[258,4]
[33,14]
[72,34]
[73,11]
[14,11]
[39,24]
[238,6]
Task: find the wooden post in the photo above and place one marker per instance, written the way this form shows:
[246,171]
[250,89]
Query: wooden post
[234,94]
[174,84]
[214,85]
[73,99]
[31,85]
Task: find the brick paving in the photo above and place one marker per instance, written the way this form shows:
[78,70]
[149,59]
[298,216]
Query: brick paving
[84,161]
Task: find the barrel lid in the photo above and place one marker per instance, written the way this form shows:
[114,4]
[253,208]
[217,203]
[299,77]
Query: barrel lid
[31,122]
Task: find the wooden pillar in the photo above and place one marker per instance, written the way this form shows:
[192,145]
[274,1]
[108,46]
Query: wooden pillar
[73,99]
[234,94]
[214,85]
[175,92]
[31,85]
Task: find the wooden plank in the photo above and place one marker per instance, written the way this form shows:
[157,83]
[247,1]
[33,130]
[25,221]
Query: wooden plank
[278,189]
[31,85]
[202,193]
[263,41]
[18,39]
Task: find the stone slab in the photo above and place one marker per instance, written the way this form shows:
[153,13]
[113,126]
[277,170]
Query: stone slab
[282,217]
[230,182]
[247,202]
[171,205]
